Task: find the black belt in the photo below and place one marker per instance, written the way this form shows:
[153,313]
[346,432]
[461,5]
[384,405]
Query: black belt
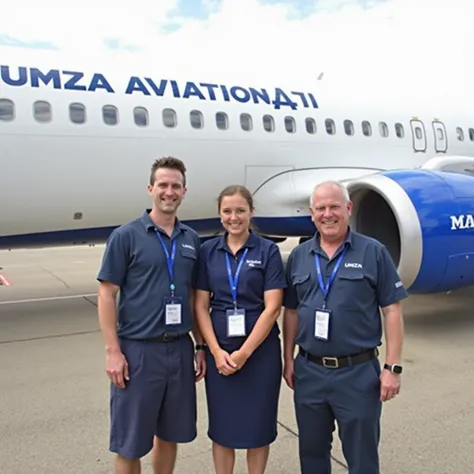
[337,362]
[163,338]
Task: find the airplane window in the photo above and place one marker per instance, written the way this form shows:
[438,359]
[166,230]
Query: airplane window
[399,130]
[471,134]
[7,110]
[460,133]
[77,112]
[169,118]
[222,121]
[197,120]
[140,114]
[246,122]
[383,128]
[290,124]
[440,134]
[330,126]
[418,133]
[348,127]
[311,126]
[42,111]
[366,128]
[110,114]
[268,123]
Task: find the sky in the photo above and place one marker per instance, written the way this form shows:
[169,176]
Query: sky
[345,39]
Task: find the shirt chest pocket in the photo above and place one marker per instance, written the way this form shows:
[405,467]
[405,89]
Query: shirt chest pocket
[188,258]
[350,275]
[302,284]
[353,286]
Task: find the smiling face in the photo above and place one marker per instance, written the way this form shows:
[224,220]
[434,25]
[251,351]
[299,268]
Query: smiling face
[167,191]
[330,212]
[235,212]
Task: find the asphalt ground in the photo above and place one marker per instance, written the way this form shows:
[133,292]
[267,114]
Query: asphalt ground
[54,390]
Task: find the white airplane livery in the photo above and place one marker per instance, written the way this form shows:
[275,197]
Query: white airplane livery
[77,143]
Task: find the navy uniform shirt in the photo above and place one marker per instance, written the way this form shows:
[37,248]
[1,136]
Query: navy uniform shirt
[135,261]
[262,270]
[367,279]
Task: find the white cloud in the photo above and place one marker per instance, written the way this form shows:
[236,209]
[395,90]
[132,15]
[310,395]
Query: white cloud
[82,25]
[406,40]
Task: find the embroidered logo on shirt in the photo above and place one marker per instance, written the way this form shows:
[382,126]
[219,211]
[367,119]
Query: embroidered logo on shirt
[254,263]
[352,265]
[187,246]
[399,284]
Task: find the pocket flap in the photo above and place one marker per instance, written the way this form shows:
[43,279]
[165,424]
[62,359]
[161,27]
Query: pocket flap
[188,253]
[298,279]
[345,274]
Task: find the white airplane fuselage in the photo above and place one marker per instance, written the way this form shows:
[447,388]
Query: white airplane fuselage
[64,182]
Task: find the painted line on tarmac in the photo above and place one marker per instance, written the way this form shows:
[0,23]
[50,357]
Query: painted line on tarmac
[51,336]
[295,434]
[50,298]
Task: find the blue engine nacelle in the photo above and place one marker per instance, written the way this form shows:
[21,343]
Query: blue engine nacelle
[426,221]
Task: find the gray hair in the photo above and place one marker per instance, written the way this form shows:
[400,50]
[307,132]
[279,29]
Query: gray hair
[338,184]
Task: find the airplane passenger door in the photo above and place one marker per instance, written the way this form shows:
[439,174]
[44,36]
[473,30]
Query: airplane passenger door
[419,135]
[441,139]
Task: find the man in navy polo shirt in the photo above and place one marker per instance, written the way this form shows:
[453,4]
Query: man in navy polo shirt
[150,359]
[337,281]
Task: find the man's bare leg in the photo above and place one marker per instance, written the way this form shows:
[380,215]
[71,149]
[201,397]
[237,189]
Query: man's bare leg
[127,466]
[163,457]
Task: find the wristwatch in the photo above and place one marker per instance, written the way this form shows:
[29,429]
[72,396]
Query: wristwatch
[201,347]
[395,368]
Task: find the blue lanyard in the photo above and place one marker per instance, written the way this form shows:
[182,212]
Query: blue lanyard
[169,260]
[325,288]
[234,281]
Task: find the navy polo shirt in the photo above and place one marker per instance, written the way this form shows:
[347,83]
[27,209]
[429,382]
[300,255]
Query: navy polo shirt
[135,261]
[367,279]
[262,270]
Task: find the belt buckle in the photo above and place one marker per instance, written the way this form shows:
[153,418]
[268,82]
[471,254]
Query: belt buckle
[330,362]
[167,337]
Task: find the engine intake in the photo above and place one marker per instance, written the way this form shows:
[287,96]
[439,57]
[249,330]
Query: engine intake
[425,219]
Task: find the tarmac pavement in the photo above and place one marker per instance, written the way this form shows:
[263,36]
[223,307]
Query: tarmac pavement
[54,390]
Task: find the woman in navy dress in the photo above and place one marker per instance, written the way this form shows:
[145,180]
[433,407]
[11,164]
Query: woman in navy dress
[238,300]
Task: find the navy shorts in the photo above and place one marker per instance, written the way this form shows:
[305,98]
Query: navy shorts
[159,399]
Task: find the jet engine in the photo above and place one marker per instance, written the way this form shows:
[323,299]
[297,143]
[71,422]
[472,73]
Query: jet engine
[425,219]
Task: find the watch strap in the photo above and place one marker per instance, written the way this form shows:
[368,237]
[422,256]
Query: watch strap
[395,368]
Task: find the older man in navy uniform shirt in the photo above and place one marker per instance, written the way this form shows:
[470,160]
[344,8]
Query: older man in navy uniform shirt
[337,281]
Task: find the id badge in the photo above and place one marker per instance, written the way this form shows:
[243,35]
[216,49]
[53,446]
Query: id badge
[173,308]
[321,324]
[235,322]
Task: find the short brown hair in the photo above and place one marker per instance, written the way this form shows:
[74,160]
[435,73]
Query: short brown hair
[169,162]
[232,190]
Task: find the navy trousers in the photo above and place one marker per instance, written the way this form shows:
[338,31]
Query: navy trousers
[348,395]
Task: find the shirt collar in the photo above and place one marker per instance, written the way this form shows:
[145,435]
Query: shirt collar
[148,224]
[251,242]
[315,246]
